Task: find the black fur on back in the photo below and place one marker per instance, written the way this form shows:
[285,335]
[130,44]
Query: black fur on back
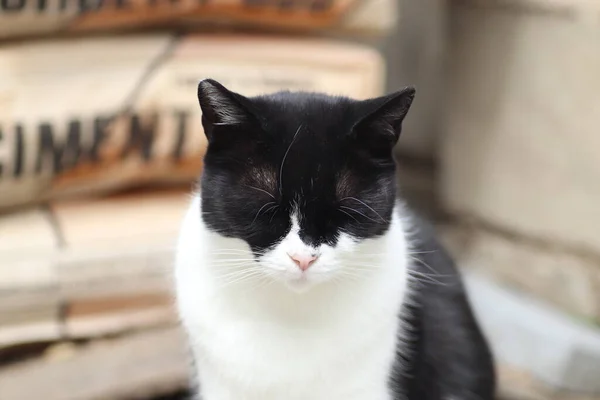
[449,357]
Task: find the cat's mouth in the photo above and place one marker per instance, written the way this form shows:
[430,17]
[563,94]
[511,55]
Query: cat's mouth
[303,281]
[299,283]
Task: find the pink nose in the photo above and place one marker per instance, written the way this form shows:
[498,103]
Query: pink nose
[303,261]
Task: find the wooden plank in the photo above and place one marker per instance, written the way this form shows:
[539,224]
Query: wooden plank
[109,278]
[29,295]
[118,245]
[117,322]
[36,151]
[24,233]
[357,17]
[134,366]
[142,126]
[123,221]
[93,307]
[114,274]
[258,65]
[36,330]
[29,292]
[30,304]
[95,317]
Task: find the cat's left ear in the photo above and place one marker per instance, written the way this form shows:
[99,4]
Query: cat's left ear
[382,118]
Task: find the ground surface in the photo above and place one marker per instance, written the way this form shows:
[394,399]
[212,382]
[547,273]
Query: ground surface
[150,364]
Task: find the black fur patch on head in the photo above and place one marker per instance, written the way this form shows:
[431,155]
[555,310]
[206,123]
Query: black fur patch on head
[327,160]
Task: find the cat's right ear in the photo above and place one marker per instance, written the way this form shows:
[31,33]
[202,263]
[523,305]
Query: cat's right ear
[220,106]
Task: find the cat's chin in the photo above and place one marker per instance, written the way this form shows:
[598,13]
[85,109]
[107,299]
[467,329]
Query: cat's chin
[300,285]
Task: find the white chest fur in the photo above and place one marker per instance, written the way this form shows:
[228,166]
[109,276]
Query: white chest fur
[265,342]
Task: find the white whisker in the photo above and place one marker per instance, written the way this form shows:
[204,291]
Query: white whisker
[423,263]
[366,205]
[358,212]
[262,208]
[261,190]
[348,214]
[283,160]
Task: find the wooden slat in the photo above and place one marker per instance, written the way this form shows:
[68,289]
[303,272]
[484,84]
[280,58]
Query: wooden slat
[123,221]
[29,295]
[119,246]
[24,233]
[33,331]
[112,323]
[94,307]
[103,273]
[142,126]
[96,317]
[355,17]
[136,366]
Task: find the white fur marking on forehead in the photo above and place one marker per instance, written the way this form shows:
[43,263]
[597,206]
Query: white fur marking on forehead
[295,222]
[292,241]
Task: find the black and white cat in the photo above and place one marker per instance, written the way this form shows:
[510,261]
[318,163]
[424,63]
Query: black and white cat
[299,273]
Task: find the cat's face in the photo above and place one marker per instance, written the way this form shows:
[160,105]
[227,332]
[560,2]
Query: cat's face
[304,179]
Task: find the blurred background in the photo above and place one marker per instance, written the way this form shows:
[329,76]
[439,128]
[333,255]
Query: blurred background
[101,141]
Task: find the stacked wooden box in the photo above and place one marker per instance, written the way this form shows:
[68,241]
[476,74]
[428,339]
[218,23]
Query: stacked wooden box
[101,141]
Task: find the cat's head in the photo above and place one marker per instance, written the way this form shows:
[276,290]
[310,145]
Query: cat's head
[302,178]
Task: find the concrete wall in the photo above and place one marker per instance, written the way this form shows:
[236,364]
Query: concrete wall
[520,151]
[416,55]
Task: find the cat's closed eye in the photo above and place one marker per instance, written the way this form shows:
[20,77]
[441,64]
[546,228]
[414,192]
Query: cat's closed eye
[344,185]
[262,180]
